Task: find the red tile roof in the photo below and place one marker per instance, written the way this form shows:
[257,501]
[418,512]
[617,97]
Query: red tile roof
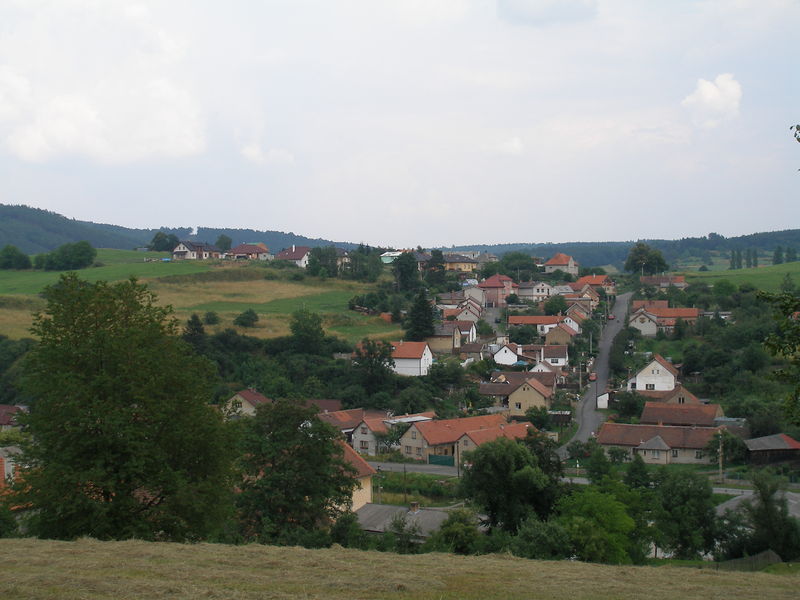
[674,313]
[349,419]
[497,281]
[559,259]
[253,397]
[621,434]
[362,467]
[534,319]
[7,413]
[249,249]
[449,430]
[408,349]
[648,304]
[513,431]
[663,395]
[594,280]
[658,413]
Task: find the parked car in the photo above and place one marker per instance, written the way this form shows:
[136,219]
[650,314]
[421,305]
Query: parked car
[611,317]
[592,376]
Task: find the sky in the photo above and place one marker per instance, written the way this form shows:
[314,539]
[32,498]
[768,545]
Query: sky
[406,122]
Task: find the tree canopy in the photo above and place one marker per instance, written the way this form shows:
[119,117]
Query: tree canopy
[124,441]
[646,260]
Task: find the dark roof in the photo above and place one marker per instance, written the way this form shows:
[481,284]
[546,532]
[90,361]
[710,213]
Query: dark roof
[458,258]
[199,246]
[378,518]
[778,441]
[294,253]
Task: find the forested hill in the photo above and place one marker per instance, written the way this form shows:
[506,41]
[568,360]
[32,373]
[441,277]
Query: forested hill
[591,254]
[34,230]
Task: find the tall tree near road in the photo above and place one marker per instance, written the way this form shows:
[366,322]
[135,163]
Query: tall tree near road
[124,441]
[645,260]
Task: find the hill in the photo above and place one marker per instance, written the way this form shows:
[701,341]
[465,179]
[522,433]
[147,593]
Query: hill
[34,230]
[125,570]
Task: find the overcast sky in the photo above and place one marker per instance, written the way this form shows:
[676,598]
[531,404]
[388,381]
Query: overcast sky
[406,122]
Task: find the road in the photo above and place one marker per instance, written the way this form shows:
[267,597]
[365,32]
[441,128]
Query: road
[589,419]
[415,468]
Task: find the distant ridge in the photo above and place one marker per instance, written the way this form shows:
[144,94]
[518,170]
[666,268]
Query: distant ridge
[34,230]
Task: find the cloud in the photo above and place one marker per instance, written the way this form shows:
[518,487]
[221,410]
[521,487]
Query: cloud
[113,89]
[512,147]
[546,12]
[273,156]
[714,102]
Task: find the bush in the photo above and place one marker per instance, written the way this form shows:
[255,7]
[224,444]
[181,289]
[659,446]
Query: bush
[211,318]
[247,319]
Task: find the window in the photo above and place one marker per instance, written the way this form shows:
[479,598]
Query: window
[363,431]
[364,445]
[674,454]
[413,435]
[650,386]
[633,385]
[466,443]
[681,400]
[656,454]
[419,451]
[698,454]
[518,405]
[408,449]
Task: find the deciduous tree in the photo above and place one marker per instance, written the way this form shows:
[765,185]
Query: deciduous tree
[124,441]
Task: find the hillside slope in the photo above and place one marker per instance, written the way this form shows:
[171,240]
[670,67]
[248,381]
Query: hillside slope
[126,570]
[34,230]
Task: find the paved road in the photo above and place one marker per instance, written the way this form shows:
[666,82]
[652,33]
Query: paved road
[415,468]
[589,419]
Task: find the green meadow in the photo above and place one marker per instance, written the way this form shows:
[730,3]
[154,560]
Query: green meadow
[767,278]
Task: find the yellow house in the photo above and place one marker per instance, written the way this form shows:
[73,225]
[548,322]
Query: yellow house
[362,494]
[518,396]
[457,262]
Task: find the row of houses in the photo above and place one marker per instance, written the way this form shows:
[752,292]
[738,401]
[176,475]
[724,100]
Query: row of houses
[299,255]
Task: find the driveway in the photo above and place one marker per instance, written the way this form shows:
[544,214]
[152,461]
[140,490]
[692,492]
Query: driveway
[589,419]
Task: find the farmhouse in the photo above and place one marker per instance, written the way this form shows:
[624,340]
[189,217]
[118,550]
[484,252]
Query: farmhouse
[657,375]
[249,252]
[440,438]
[562,262]
[659,444]
[299,255]
[195,251]
[366,434]
[412,358]
[693,415]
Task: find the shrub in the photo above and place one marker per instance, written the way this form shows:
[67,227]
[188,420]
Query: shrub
[247,319]
[211,318]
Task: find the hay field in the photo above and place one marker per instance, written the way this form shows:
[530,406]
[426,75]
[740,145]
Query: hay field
[92,570]
[201,286]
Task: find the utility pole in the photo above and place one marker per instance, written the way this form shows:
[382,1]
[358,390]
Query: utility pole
[720,456]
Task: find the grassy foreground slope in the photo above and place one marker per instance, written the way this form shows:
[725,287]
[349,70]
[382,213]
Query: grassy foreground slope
[47,570]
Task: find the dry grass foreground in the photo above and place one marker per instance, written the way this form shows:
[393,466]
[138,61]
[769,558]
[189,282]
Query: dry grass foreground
[88,569]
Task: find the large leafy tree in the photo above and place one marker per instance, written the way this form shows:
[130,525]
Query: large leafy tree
[162,242]
[505,481]
[786,344]
[687,521]
[406,272]
[374,364]
[295,475]
[12,257]
[645,260]
[124,442]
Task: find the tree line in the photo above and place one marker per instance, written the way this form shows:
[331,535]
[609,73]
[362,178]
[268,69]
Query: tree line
[64,258]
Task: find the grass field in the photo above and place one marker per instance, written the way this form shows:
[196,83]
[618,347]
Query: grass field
[197,287]
[767,278]
[91,570]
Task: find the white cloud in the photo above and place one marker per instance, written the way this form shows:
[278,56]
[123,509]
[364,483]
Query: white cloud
[273,156]
[545,12]
[512,147]
[96,80]
[714,102]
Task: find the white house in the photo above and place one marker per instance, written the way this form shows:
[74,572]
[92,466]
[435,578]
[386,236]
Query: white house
[412,358]
[195,251]
[506,354]
[535,291]
[658,375]
[476,294]
[299,255]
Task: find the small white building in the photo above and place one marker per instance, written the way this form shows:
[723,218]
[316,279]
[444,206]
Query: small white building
[412,358]
[657,375]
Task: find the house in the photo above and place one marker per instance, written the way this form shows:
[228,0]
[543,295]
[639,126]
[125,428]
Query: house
[342,258]
[518,395]
[8,464]
[657,375]
[548,380]
[463,313]
[8,413]
[362,493]
[411,358]
[468,331]
[664,281]
[497,288]
[299,255]
[560,335]
[446,338]
[599,282]
[691,415]
[245,402]
[562,262]
[677,395]
[543,323]
[772,448]
[249,252]
[505,354]
[379,518]
[450,299]
[659,444]
[555,355]
[476,294]
[637,304]
[195,251]
[389,257]
[459,263]
[440,438]
[649,321]
[366,434]
[347,420]
[476,438]
[535,291]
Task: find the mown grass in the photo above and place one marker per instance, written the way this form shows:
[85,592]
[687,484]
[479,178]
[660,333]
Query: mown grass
[88,569]
[767,278]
